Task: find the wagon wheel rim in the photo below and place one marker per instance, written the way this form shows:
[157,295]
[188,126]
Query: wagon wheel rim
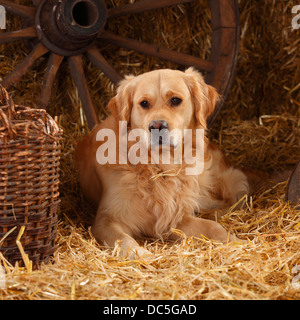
[293,187]
[71,36]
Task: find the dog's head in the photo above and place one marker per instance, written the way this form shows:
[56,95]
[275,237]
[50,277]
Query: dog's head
[164,100]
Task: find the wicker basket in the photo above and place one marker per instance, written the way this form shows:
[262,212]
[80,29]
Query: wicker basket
[29,181]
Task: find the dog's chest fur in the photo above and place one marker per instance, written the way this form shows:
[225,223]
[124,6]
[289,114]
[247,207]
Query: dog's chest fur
[165,198]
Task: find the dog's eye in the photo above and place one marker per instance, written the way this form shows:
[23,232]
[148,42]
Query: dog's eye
[144,104]
[175,101]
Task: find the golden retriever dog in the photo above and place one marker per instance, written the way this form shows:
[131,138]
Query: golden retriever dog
[150,199]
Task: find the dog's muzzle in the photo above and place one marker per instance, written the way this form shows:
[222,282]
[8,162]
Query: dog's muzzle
[160,134]
[158,124]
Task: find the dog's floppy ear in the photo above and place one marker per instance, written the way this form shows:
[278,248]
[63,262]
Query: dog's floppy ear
[204,96]
[120,105]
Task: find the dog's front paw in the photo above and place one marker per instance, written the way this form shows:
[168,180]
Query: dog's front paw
[234,238]
[133,252]
[128,248]
[138,253]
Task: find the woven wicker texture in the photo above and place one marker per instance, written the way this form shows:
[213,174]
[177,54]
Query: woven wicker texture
[29,180]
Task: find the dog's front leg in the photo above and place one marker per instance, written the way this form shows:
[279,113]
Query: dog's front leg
[110,233]
[193,226]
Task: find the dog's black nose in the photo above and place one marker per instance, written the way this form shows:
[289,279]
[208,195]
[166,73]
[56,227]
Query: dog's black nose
[158,124]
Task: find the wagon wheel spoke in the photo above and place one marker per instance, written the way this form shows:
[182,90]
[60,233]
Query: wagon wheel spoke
[99,61]
[76,67]
[22,34]
[19,10]
[53,64]
[38,51]
[143,6]
[156,51]
[36,2]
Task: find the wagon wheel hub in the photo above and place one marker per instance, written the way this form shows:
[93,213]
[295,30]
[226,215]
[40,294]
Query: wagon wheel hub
[70,27]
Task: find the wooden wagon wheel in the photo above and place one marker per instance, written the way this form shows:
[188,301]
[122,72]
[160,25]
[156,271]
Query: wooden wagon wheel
[293,188]
[69,28]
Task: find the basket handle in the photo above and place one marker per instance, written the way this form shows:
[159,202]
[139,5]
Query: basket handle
[6,100]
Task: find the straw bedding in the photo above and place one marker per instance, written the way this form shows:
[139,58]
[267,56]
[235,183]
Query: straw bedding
[258,127]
